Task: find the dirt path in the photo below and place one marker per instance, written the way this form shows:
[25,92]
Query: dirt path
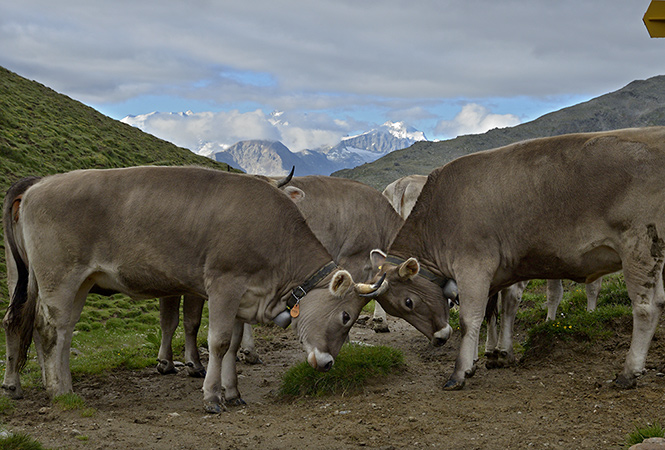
[557,400]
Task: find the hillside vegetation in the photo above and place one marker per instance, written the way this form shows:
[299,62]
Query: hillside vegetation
[639,104]
[43,132]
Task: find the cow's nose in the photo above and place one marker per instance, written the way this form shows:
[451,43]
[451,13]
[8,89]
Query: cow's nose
[442,336]
[321,361]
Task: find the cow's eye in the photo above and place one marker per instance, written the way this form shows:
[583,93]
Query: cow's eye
[409,303]
[345,317]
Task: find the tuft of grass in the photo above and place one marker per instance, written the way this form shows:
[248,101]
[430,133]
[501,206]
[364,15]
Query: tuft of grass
[68,402]
[354,367]
[641,433]
[19,441]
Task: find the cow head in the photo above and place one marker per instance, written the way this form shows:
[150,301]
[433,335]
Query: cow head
[414,298]
[326,315]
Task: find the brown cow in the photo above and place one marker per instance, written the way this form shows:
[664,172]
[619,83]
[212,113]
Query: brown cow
[155,231]
[575,207]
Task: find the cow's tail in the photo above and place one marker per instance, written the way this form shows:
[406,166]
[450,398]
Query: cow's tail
[20,317]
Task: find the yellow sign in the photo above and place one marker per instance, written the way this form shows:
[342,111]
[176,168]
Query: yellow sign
[654,19]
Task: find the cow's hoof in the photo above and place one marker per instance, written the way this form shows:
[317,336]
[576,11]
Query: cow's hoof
[491,359]
[12,392]
[195,371]
[624,382]
[380,326]
[235,402]
[166,367]
[213,408]
[251,357]
[472,371]
[500,360]
[453,385]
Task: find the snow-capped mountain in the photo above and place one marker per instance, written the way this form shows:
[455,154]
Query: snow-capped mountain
[274,159]
[269,158]
[211,135]
[370,146]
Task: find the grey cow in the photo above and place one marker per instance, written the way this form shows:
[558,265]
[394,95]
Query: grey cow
[576,206]
[403,194]
[349,218]
[154,231]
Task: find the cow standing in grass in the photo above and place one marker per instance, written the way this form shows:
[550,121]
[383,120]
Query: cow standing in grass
[575,207]
[156,231]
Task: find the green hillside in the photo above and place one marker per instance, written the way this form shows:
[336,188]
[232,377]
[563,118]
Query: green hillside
[639,104]
[43,132]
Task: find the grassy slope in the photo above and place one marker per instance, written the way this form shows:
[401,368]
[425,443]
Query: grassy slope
[43,132]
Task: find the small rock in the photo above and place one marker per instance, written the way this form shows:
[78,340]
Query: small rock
[654,443]
[44,410]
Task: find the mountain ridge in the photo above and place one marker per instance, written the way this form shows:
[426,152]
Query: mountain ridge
[640,103]
[273,158]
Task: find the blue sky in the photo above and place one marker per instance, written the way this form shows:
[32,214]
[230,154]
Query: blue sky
[334,68]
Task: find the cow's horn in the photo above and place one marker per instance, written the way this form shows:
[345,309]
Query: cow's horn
[373,290]
[284,181]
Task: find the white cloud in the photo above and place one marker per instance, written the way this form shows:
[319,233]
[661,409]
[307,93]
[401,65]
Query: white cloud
[426,49]
[393,58]
[475,119]
[192,130]
[195,130]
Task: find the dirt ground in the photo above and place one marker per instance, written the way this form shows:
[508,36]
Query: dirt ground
[557,398]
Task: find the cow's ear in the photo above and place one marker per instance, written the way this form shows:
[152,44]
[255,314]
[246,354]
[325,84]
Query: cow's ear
[294,193]
[340,283]
[409,269]
[377,257]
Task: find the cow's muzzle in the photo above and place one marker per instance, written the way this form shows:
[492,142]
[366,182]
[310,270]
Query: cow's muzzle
[442,336]
[320,361]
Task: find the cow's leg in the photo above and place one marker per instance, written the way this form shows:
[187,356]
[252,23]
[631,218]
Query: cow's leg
[229,373]
[223,302]
[12,381]
[492,341]
[592,292]
[192,310]
[56,314]
[511,298]
[380,319]
[554,297]
[247,347]
[643,273]
[648,298]
[473,293]
[169,316]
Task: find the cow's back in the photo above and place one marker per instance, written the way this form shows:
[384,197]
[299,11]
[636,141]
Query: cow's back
[174,223]
[349,218]
[545,202]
